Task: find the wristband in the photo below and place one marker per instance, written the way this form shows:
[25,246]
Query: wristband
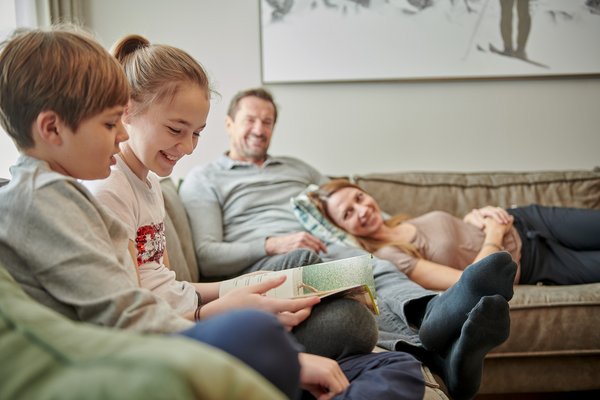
[197,312]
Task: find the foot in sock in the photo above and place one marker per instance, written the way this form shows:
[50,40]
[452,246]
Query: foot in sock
[445,314]
[487,326]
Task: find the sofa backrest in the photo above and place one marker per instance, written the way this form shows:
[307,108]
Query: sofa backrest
[415,193]
[180,246]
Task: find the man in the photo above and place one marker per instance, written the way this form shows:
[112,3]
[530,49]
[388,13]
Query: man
[241,220]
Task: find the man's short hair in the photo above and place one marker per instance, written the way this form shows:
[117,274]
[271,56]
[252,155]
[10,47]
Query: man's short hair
[61,69]
[261,93]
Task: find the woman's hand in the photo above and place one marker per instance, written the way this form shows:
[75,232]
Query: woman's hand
[290,312]
[321,376]
[495,223]
[478,215]
[494,229]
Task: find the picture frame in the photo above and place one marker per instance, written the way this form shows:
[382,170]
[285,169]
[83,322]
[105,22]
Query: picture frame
[380,40]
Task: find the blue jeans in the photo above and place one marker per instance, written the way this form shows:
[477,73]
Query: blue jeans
[257,339]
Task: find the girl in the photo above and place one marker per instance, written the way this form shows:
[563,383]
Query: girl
[166,112]
[553,245]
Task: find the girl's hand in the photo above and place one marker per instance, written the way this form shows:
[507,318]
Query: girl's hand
[478,215]
[321,376]
[290,312]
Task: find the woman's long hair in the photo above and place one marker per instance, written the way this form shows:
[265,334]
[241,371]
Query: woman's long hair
[320,197]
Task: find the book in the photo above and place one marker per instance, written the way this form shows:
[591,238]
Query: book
[349,277]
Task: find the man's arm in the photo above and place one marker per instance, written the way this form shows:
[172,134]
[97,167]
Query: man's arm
[216,258]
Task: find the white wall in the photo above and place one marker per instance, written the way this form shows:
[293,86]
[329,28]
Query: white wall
[345,128]
[8,152]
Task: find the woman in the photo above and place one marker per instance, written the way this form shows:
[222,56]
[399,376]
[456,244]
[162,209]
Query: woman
[552,245]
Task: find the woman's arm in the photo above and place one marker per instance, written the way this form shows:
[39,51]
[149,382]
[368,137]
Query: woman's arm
[434,276]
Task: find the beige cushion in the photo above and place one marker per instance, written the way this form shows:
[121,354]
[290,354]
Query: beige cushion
[415,193]
[554,334]
[180,245]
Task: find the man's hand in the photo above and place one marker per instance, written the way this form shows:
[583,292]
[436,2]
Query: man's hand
[299,240]
[290,312]
[321,376]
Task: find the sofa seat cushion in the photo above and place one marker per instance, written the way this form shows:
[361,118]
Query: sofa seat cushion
[554,342]
[553,321]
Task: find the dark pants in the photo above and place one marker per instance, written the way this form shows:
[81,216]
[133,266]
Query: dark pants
[390,375]
[561,246]
[381,376]
[257,339]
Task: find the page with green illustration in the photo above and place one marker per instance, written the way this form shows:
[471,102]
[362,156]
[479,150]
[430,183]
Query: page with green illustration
[349,277]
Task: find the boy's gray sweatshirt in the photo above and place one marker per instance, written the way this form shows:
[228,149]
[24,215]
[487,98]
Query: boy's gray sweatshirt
[70,254]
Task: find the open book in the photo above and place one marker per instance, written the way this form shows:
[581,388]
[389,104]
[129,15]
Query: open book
[348,277]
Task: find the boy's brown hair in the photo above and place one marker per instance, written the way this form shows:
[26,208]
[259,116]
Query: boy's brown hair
[61,69]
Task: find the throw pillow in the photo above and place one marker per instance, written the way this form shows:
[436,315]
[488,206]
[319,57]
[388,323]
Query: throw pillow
[315,223]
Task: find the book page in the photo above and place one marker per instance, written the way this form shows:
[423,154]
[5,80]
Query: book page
[351,277]
[292,286]
[339,273]
[360,293]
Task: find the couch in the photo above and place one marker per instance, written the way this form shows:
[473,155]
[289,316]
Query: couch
[554,345]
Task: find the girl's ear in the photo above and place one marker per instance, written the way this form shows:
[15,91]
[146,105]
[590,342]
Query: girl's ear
[48,126]
[126,118]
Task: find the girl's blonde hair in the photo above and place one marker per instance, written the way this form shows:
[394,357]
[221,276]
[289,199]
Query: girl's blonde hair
[320,197]
[156,71]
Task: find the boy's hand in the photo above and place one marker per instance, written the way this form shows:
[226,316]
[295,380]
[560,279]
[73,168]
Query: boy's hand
[321,376]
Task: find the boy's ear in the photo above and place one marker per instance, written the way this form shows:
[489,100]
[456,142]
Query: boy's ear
[48,126]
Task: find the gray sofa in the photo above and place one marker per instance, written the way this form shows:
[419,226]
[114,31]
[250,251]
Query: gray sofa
[554,345]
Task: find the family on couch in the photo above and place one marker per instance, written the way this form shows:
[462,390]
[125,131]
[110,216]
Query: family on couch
[70,110]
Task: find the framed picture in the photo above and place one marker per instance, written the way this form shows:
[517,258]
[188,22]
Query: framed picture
[363,40]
